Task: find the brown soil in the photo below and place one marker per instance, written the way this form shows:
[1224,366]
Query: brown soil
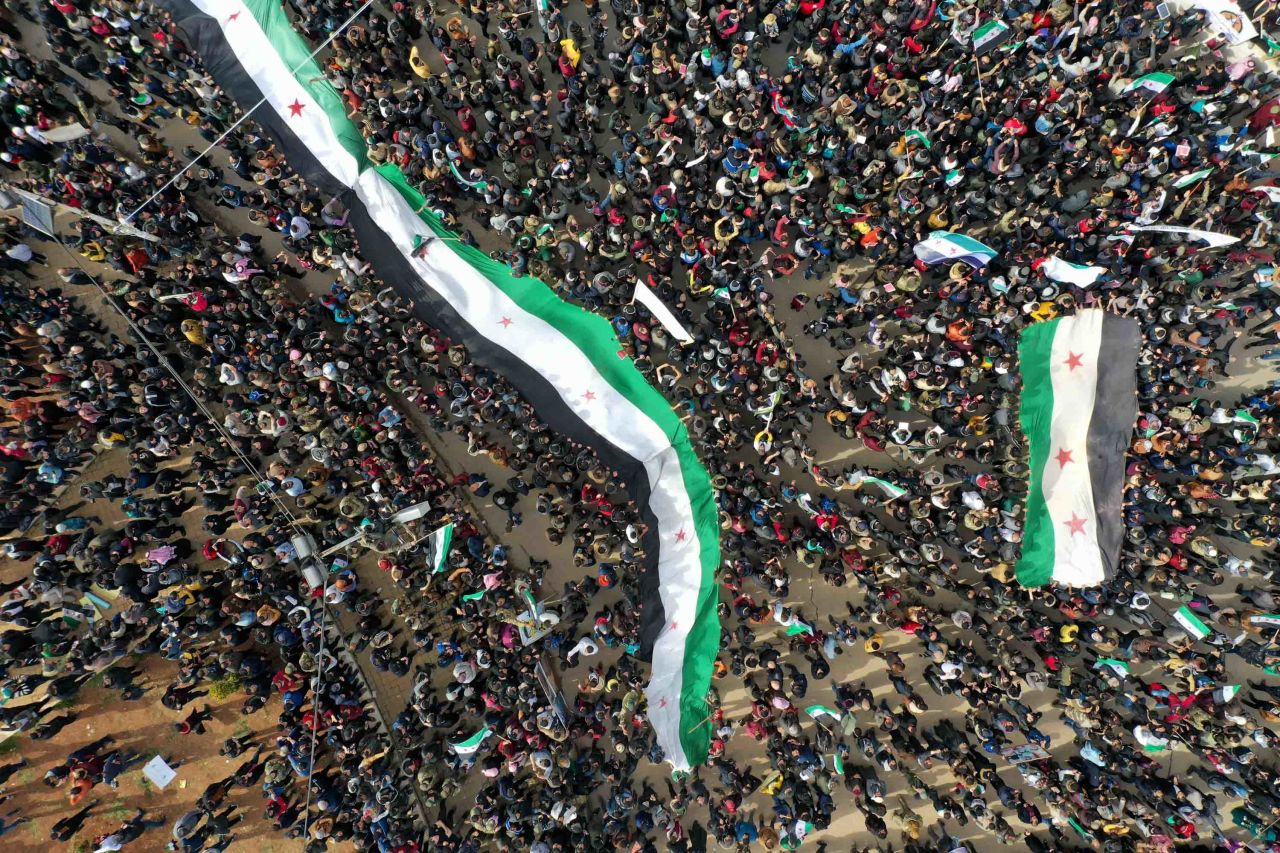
[145,727]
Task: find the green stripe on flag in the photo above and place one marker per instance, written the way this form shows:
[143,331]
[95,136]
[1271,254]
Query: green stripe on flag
[1035,568]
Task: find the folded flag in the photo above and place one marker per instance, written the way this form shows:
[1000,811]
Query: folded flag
[661,312]
[1079,404]
[438,548]
[1215,239]
[942,246]
[890,490]
[1155,83]
[1080,275]
[1119,667]
[798,628]
[1191,623]
[816,711]
[1224,694]
[989,36]
[478,186]
[1194,177]
[471,744]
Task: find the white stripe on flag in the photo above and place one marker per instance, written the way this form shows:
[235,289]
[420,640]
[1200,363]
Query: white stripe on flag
[661,312]
[1067,487]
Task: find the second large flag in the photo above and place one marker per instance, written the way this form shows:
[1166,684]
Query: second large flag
[1079,403]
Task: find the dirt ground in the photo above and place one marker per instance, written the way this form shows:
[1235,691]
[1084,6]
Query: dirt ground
[144,727]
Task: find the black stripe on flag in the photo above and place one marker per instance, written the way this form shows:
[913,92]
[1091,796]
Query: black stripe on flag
[1115,409]
[211,47]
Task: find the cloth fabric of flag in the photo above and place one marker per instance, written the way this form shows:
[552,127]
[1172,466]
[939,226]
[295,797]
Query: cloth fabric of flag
[438,548]
[664,315]
[989,36]
[816,711]
[890,490]
[562,359]
[918,136]
[471,744]
[1119,667]
[1154,83]
[1194,177]
[1081,275]
[1191,623]
[942,246]
[478,186]
[1215,239]
[1079,404]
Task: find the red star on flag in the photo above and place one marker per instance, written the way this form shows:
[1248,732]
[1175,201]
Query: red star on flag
[1073,360]
[662,703]
[504,322]
[680,535]
[1076,524]
[295,109]
[589,396]
[675,626]
[1063,456]
[232,16]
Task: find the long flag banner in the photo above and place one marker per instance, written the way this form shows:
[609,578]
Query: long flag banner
[438,548]
[566,361]
[1079,404]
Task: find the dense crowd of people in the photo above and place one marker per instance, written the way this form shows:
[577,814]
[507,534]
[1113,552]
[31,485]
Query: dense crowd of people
[757,165]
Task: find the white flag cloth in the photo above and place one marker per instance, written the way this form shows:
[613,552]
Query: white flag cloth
[1213,238]
[1081,276]
[661,312]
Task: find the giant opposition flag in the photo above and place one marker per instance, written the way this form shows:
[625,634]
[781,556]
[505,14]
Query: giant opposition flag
[566,361]
[1079,402]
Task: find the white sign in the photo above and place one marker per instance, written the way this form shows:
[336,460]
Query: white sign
[159,772]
